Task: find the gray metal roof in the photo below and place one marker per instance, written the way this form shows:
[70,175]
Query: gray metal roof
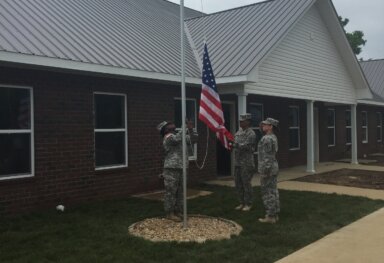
[144,34]
[238,39]
[135,34]
[374,72]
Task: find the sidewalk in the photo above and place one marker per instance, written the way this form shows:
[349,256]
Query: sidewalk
[361,241]
[299,171]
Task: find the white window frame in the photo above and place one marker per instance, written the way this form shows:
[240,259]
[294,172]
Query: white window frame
[379,117]
[349,127]
[296,127]
[332,127]
[98,168]
[29,131]
[364,140]
[262,113]
[194,157]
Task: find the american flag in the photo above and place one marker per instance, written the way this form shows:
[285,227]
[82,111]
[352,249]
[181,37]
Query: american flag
[211,112]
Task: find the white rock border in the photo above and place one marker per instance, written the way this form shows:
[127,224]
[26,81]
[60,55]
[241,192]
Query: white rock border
[200,229]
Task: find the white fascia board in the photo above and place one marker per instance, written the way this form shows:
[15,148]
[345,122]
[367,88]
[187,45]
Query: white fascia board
[370,102]
[232,80]
[363,94]
[298,97]
[60,64]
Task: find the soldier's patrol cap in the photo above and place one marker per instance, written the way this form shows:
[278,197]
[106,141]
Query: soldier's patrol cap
[270,121]
[162,125]
[245,117]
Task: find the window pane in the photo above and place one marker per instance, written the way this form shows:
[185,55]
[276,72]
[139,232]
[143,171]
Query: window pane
[15,108]
[349,135]
[378,133]
[364,134]
[110,148]
[293,117]
[293,138]
[15,154]
[190,106]
[109,111]
[257,114]
[348,118]
[364,118]
[378,118]
[331,118]
[331,136]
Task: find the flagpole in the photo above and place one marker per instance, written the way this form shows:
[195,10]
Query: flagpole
[183,114]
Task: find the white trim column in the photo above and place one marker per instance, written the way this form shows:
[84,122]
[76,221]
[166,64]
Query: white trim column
[354,135]
[242,103]
[310,137]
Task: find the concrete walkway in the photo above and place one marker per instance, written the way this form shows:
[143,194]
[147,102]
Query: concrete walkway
[299,171]
[361,241]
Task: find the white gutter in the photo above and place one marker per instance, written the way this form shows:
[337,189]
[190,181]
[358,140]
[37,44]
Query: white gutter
[56,63]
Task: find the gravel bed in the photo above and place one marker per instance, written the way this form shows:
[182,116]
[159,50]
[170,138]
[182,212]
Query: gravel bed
[200,229]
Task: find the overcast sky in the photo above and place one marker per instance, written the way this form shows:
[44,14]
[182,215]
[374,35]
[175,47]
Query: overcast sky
[365,15]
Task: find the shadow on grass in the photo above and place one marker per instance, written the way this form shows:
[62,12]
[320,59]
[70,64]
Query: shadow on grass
[98,232]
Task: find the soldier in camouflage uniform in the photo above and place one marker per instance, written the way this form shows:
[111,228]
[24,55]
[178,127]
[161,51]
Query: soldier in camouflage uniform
[268,169]
[244,147]
[173,167]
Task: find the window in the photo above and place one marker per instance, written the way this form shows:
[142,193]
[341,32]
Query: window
[331,127]
[111,147]
[257,112]
[364,126]
[348,127]
[379,126]
[294,127]
[191,115]
[16,132]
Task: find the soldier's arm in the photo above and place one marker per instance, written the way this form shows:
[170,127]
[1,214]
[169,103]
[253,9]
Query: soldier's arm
[269,154]
[173,139]
[192,136]
[249,144]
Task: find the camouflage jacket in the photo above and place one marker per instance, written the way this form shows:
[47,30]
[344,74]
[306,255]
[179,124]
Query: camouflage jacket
[244,147]
[267,149]
[173,147]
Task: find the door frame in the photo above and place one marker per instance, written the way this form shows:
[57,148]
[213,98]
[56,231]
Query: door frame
[232,129]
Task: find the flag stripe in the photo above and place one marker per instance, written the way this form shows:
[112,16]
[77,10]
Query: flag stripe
[214,114]
[211,111]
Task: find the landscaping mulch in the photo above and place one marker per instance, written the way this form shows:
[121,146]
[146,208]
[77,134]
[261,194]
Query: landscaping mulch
[348,177]
[199,229]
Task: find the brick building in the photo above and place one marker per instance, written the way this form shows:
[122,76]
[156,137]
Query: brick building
[83,86]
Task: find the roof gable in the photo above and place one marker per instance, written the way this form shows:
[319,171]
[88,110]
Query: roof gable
[239,38]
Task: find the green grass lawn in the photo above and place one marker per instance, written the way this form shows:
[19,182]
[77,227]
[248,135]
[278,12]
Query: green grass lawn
[99,232]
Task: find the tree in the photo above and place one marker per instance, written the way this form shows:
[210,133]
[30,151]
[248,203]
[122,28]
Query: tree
[355,38]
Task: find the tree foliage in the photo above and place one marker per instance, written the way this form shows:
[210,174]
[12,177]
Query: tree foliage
[355,39]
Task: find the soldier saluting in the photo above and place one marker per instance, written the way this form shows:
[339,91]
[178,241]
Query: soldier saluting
[244,147]
[173,167]
[268,169]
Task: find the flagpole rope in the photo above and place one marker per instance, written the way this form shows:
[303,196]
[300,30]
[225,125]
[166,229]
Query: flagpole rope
[200,167]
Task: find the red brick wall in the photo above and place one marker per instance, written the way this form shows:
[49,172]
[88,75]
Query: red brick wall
[64,135]
[277,108]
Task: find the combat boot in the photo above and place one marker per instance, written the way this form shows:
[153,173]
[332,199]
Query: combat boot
[239,207]
[268,219]
[173,217]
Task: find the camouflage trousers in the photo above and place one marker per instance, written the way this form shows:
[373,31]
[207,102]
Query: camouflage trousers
[243,176]
[173,184]
[270,194]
